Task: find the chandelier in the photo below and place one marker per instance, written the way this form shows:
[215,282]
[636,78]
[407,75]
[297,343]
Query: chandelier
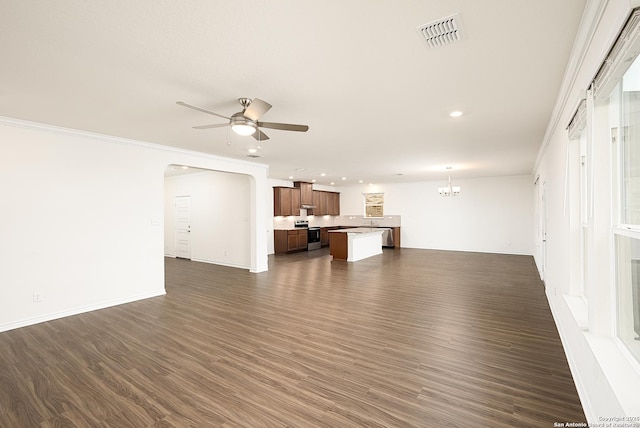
[449,190]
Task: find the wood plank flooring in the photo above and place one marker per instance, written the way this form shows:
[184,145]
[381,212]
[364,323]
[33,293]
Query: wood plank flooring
[409,338]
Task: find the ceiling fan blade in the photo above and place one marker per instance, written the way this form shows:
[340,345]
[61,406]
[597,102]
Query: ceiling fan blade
[256,109]
[284,126]
[217,125]
[260,136]
[181,103]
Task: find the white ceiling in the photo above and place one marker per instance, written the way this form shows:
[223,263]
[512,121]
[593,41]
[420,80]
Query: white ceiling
[376,99]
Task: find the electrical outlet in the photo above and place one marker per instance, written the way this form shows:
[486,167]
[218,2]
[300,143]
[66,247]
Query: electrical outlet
[37,297]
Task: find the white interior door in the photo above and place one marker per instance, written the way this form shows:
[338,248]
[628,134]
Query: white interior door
[183,226]
[543,231]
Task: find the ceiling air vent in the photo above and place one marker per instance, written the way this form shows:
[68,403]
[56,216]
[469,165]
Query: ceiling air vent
[442,32]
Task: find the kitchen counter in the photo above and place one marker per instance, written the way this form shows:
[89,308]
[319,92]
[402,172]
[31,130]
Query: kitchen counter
[355,243]
[362,229]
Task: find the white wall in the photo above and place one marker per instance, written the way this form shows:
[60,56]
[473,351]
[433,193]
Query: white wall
[219,216]
[492,215]
[606,377]
[82,219]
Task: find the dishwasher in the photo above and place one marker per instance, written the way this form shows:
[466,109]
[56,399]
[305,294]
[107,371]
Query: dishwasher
[387,237]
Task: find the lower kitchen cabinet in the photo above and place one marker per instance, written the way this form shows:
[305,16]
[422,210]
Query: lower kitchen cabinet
[396,236]
[286,241]
[324,235]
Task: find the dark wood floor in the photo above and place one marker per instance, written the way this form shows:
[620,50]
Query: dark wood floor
[409,338]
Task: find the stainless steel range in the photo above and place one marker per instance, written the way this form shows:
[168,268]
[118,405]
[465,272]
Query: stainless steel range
[313,234]
[313,240]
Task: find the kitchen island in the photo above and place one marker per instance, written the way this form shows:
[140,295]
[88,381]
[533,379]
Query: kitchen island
[356,243]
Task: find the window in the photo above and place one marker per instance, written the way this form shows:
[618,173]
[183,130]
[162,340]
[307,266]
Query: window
[630,138]
[580,133]
[584,176]
[628,272]
[374,204]
[627,214]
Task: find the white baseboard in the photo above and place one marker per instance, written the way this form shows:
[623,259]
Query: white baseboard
[216,262]
[75,311]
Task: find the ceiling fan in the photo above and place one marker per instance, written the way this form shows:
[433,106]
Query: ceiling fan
[246,122]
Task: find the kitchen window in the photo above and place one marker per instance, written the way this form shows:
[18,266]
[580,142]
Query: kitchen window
[374,204]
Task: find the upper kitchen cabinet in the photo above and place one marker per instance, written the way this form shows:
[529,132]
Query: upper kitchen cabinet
[306,193]
[326,203]
[286,201]
[319,203]
[333,203]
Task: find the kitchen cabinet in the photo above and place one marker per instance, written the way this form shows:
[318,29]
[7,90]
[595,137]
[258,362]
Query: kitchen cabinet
[303,237]
[319,203]
[324,234]
[306,192]
[286,201]
[396,236]
[326,203]
[286,241]
[295,201]
[333,203]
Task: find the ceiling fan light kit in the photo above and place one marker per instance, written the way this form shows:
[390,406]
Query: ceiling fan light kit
[242,126]
[243,129]
[246,122]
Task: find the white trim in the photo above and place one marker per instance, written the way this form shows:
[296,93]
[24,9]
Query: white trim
[578,307]
[79,310]
[212,262]
[9,121]
[631,359]
[579,120]
[591,17]
[632,232]
[618,58]
[617,370]
[581,388]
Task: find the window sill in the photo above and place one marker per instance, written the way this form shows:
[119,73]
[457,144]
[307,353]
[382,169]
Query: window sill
[579,308]
[621,373]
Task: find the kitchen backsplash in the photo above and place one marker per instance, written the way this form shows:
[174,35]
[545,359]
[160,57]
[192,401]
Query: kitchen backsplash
[342,220]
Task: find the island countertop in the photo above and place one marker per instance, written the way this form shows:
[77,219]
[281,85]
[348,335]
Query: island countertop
[360,230]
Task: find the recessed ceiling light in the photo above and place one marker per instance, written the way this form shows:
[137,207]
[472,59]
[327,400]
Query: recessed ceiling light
[456,113]
[333,184]
[291,177]
[322,174]
[313,181]
[344,178]
[253,150]
[360,181]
